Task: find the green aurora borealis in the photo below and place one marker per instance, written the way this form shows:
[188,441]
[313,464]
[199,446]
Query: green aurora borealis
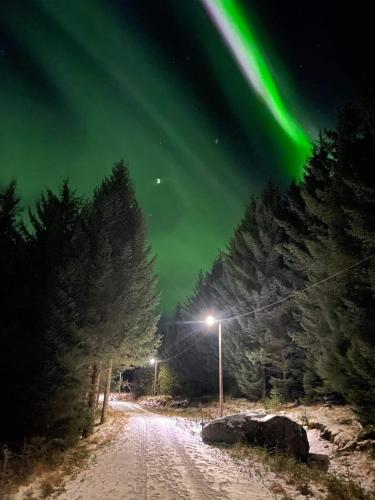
[237,33]
[89,86]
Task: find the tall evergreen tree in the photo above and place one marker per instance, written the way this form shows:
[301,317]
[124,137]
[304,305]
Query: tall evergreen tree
[333,227]
[81,291]
[16,311]
[196,367]
[121,299]
[262,350]
[56,381]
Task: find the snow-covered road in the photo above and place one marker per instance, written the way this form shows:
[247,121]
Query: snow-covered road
[159,457]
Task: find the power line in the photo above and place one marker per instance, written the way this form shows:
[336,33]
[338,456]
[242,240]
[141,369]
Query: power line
[298,292]
[178,341]
[182,352]
[280,301]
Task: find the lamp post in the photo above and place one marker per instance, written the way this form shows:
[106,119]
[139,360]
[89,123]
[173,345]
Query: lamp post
[154,362]
[210,320]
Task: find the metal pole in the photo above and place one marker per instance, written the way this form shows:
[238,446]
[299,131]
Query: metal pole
[221,386]
[155,375]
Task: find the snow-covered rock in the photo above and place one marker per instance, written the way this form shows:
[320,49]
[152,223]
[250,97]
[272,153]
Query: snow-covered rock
[271,431]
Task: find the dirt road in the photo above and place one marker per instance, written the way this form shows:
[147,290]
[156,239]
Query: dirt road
[159,457]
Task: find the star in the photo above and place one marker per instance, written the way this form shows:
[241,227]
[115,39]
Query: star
[158,181]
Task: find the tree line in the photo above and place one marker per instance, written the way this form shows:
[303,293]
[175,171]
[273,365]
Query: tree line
[317,343]
[78,296]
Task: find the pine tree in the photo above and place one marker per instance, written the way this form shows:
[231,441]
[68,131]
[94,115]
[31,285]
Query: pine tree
[168,381]
[57,370]
[356,156]
[192,346]
[120,297]
[333,227]
[262,353]
[16,312]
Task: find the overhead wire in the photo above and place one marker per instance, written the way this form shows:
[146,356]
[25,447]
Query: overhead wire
[298,292]
[277,302]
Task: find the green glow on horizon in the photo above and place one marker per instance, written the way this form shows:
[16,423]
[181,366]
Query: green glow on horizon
[92,87]
[96,91]
[240,38]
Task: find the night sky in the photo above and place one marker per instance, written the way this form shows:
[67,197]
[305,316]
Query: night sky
[84,83]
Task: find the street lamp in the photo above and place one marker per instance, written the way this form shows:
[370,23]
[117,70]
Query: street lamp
[210,320]
[154,361]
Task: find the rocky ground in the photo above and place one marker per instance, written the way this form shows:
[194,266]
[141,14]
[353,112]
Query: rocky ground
[335,432]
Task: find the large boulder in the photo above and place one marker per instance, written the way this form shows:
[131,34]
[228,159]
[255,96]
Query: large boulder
[274,432]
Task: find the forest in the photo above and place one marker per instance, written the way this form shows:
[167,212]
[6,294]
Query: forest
[317,236]
[80,296]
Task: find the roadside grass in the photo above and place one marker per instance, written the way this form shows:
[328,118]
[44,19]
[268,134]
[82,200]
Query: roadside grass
[302,477]
[47,466]
[191,413]
[205,409]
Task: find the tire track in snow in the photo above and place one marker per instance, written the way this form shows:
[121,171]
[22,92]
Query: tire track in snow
[141,481]
[160,458]
[204,491]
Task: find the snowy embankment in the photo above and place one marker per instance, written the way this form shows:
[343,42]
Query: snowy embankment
[333,432]
[161,457]
[152,456]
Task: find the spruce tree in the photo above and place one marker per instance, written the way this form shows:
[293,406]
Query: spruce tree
[262,352]
[56,374]
[122,296]
[119,288]
[193,346]
[16,316]
[332,229]
[355,184]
